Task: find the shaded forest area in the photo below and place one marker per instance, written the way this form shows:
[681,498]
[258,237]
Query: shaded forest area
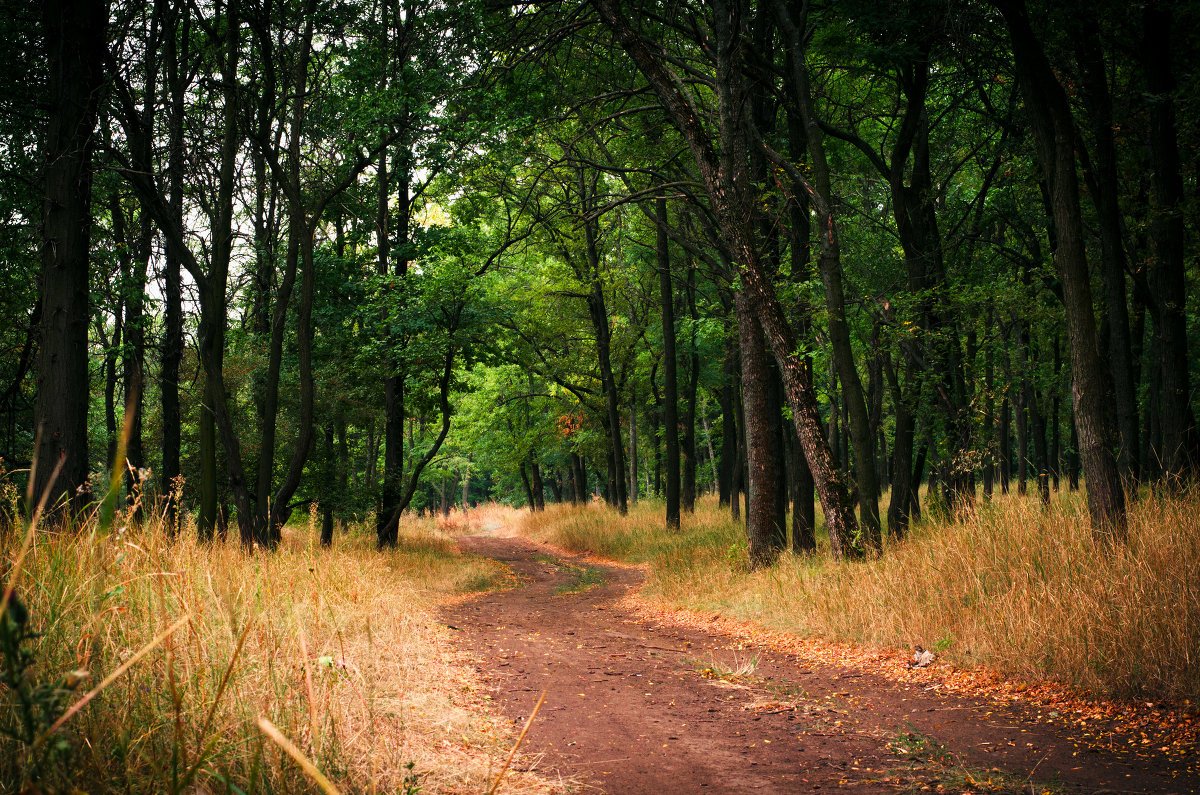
[375,257]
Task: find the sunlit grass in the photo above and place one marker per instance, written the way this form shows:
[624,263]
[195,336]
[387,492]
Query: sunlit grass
[340,649]
[1012,584]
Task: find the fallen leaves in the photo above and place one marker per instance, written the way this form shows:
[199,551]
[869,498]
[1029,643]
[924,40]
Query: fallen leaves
[1137,729]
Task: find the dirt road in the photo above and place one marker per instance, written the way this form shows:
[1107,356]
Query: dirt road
[634,707]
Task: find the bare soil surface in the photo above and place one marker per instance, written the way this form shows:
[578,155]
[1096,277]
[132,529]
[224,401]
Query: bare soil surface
[636,707]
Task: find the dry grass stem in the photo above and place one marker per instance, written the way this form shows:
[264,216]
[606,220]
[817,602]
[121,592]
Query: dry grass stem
[298,756]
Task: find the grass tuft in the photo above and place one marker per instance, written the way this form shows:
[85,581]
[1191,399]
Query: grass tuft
[337,648]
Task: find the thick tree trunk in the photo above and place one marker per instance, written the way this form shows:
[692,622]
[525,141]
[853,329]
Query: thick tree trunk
[74,41]
[764,530]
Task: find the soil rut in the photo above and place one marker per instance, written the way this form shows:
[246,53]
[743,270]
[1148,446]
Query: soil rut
[633,707]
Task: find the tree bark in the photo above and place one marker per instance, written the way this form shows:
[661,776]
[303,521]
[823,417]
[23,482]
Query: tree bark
[1167,278]
[727,186]
[687,442]
[671,474]
[178,31]
[1053,127]
[1098,102]
[74,39]
[764,531]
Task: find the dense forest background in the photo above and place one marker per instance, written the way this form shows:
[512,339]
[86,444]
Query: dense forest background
[386,256]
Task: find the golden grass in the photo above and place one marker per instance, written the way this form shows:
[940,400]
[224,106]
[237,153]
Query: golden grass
[1012,585]
[339,649]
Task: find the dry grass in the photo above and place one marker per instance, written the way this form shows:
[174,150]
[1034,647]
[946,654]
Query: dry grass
[1012,585]
[341,651]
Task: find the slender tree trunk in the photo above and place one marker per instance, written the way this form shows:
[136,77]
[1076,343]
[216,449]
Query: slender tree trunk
[989,419]
[633,448]
[599,315]
[178,31]
[1098,102]
[671,475]
[687,491]
[726,183]
[738,484]
[111,352]
[726,399]
[1167,278]
[1020,406]
[539,488]
[330,467]
[529,500]
[1053,127]
[900,505]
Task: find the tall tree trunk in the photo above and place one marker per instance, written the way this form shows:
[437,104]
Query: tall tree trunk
[829,266]
[633,448]
[1167,277]
[74,38]
[178,31]
[989,417]
[599,315]
[671,474]
[1098,102]
[687,491]
[1054,131]
[727,185]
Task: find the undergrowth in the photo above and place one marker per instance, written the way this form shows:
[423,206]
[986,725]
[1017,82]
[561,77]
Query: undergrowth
[338,648]
[1011,584]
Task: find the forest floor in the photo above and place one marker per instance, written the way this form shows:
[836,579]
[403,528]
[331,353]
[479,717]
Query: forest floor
[641,701]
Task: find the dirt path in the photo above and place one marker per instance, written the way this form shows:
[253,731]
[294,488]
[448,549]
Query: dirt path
[632,707]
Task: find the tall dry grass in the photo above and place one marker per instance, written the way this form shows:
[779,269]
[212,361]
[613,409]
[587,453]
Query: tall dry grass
[1012,585]
[338,648]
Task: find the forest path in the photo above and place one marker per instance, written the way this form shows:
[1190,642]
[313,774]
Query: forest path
[634,707]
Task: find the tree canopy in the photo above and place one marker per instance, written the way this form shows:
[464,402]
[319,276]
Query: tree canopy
[395,256]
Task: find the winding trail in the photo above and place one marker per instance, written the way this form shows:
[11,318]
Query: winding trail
[633,707]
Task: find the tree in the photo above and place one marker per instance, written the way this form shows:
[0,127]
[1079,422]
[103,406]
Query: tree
[1054,132]
[73,38]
